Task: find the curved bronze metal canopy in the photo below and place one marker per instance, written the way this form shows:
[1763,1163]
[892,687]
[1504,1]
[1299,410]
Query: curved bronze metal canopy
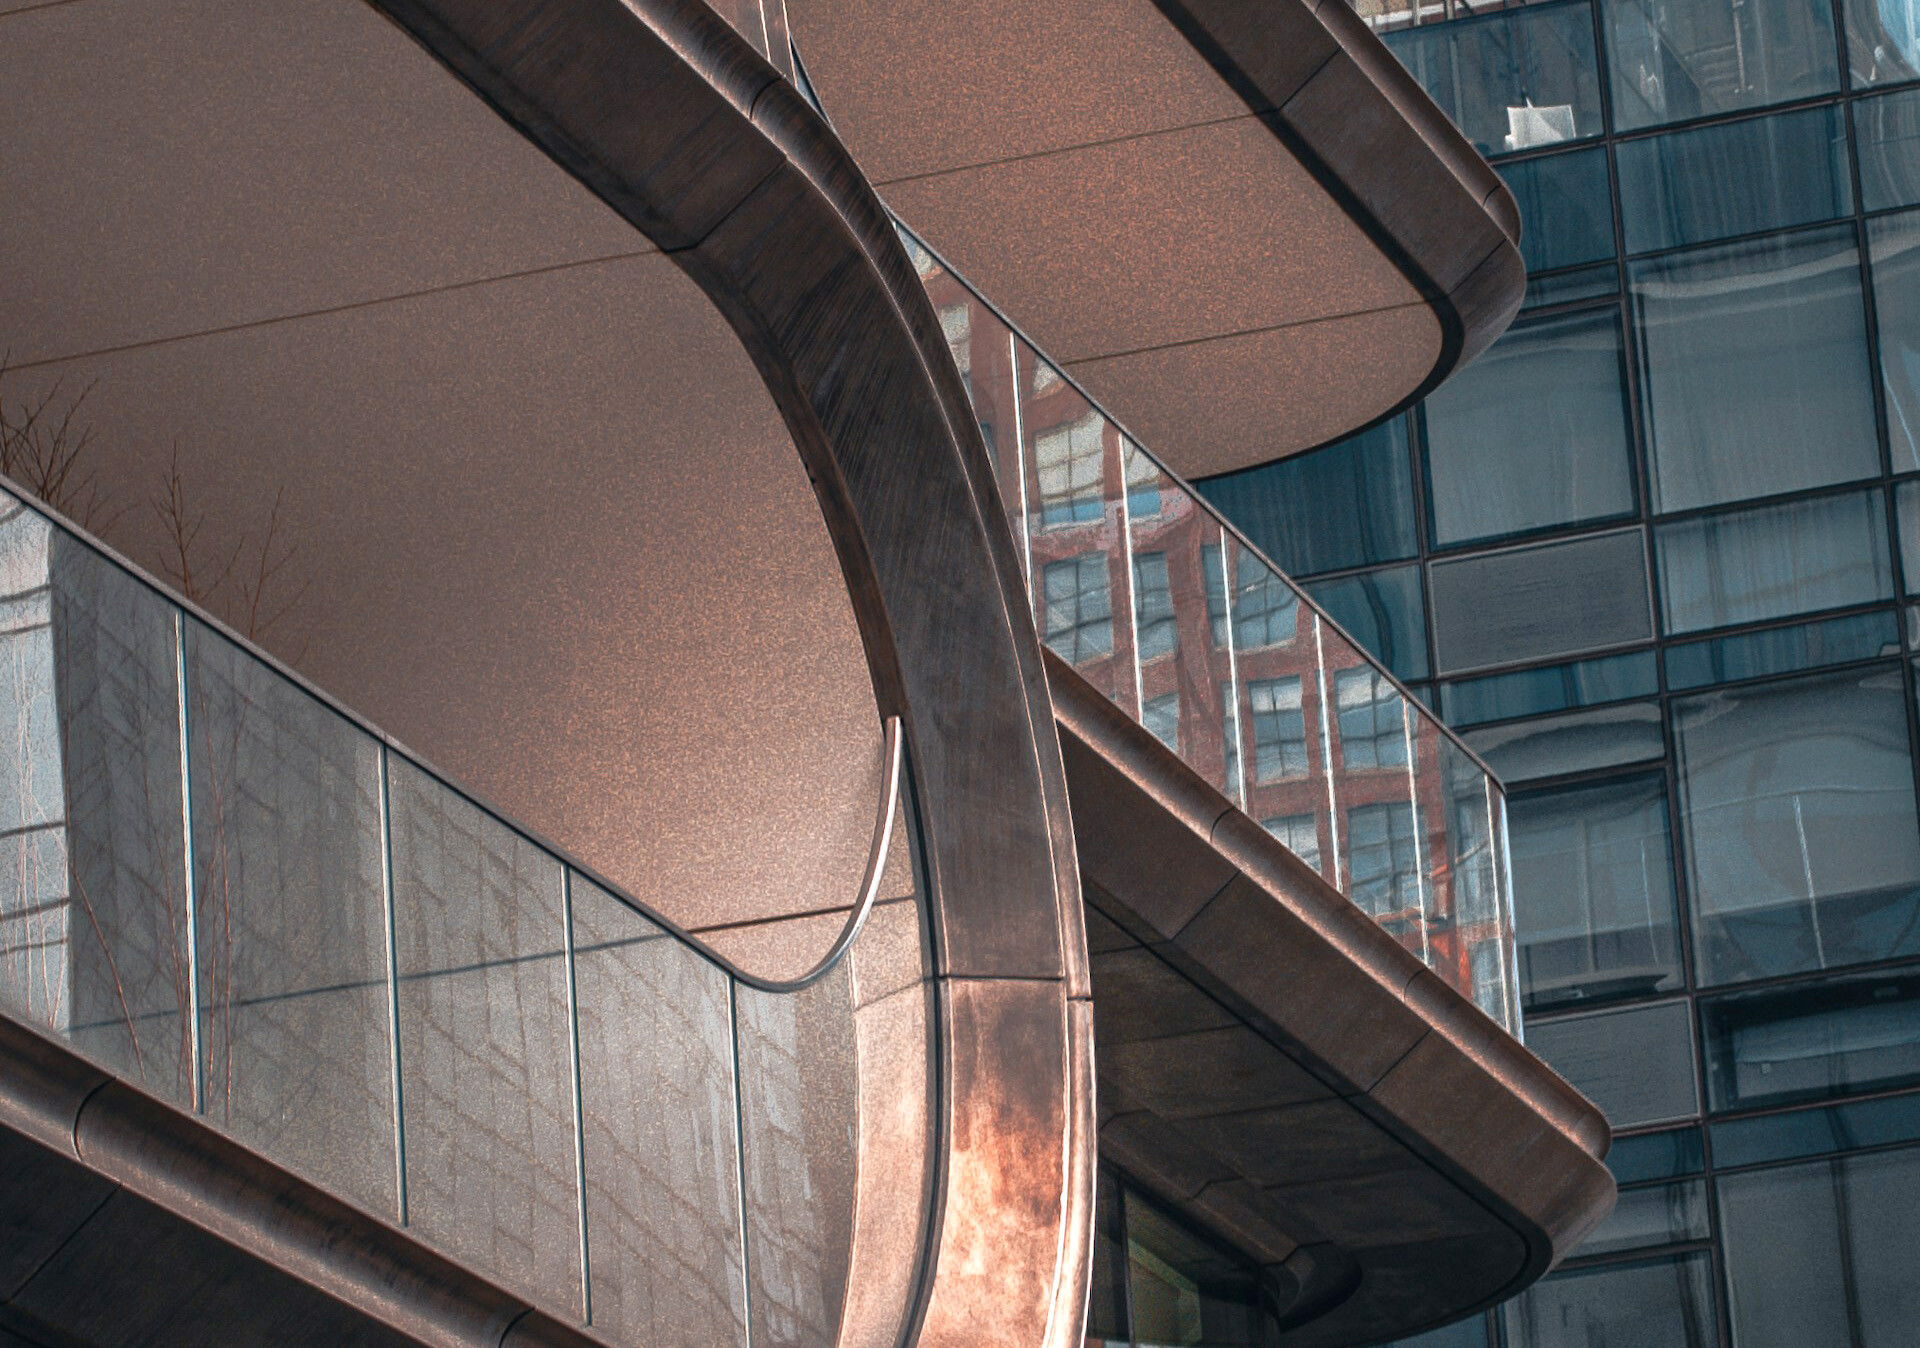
[1244,229]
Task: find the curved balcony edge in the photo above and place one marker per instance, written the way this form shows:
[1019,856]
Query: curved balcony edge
[1389,1154]
[988,170]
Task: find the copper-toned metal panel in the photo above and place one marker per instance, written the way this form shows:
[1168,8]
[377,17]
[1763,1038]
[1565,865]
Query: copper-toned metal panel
[995,130]
[1311,1084]
[1112,72]
[181,167]
[1010,1089]
[1154,240]
[1228,401]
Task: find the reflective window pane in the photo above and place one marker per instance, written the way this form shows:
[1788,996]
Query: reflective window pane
[1542,601]
[1816,1132]
[1636,1064]
[1593,892]
[1532,433]
[1883,42]
[1515,80]
[1800,557]
[1650,1156]
[1754,368]
[1185,1289]
[1609,737]
[1823,1253]
[1107,1298]
[1527,692]
[1672,62]
[1565,209]
[1714,182]
[1797,800]
[1565,287]
[1658,1303]
[1782,650]
[1893,242]
[1907,504]
[1469,1333]
[1812,1040]
[1887,132]
[1350,504]
[1665,1214]
[1384,612]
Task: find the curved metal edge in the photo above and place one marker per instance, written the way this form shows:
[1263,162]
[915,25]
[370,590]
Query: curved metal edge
[675,122]
[869,886]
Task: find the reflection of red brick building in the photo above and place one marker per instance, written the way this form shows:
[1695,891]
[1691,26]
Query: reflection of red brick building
[1241,677]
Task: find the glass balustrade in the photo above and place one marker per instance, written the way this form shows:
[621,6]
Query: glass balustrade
[1160,604]
[223,889]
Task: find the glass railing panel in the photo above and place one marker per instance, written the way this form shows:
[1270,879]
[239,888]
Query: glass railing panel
[92,869]
[1268,698]
[1184,660]
[1286,746]
[1076,503]
[798,1084]
[485,1041]
[1385,848]
[659,1115]
[1479,943]
[985,351]
[290,924]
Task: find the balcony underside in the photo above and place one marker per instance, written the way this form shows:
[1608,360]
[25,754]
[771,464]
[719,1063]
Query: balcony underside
[1244,229]
[1276,1066]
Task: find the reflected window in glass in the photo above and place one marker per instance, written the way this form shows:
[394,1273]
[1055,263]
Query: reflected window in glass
[1554,745]
[1533,433]
[1593,892]
[1079,607]
[1812,1041]
[1161,715]
[1069,460]
[1515,80]
[956,322]
[1823,1253]
[1279,729]
[1893,242]
[1568,211]
[1644,1219]
[1266,611]
[1676,61]
[1143,483]
[1753,364]
[1299,834]
[1883,41]
[1372,720]
[1715,182]
[1230,737]
[1383,857]
[1887,132]
[1187,1292]
[1528,692]
[1153,606]
[1659,1303]
[1720,570]
[1349,504]
[1385,612]
[1798,805]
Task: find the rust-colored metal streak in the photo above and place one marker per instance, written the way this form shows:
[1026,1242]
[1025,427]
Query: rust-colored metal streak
[673,120]
[1276,1065]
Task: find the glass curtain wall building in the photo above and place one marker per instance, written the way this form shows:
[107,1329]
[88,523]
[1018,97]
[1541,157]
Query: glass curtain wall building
[1654,553]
